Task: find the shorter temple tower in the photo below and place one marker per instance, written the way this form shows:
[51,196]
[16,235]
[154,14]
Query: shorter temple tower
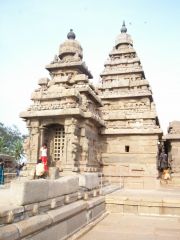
[132,131]
[65,113]
[173,148]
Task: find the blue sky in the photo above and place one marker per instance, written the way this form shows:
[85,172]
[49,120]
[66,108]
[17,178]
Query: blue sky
[31,31]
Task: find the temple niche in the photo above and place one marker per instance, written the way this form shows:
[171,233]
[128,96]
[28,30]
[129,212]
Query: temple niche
[113,128]
[132,131]
[65,113]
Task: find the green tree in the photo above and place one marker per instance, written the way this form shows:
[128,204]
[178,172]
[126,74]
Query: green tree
[11,141]
[3,148]
[18,150]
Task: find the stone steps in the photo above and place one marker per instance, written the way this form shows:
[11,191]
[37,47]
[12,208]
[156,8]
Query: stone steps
[134,182]
[144,202]
[109,189]
[171,184]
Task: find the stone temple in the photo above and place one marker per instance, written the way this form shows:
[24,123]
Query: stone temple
[105,150]
[112,128]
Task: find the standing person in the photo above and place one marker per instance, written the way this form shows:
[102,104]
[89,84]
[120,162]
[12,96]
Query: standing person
[163,158]
[19,167]
[164,165]
[43,156]
[17,170]
[1,171]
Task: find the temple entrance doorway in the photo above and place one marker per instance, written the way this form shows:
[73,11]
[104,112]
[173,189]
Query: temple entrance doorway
[55,138]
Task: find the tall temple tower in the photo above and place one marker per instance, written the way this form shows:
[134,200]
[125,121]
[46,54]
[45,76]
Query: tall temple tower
[132,131]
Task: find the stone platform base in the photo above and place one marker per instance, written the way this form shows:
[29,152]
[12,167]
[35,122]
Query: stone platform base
[118,227]
[134,182]
[144,202]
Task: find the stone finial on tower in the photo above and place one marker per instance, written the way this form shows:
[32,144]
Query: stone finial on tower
[123,37]
[71,35]
[70,48]
[123,28]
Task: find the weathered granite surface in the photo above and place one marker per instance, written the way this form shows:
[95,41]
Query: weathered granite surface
[113,128]
[89,180]
[39,209]
[172,139]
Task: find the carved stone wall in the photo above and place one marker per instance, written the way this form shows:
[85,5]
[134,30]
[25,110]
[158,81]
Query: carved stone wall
[72,145]
[91,151]
[173,145]
[132,130]
[67,100]
[104,128]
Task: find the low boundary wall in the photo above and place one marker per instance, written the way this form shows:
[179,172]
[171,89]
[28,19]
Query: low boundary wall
[51,209]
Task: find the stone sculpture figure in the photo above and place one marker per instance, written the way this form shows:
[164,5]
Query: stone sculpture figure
[26,147]
[55,60]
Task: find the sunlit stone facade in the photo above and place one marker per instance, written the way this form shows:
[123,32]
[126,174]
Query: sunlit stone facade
[113,129]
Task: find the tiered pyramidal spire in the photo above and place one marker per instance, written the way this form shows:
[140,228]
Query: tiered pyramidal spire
[126,94]
[65,113]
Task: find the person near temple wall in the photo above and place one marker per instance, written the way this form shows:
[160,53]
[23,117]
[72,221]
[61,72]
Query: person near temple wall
[164,166]
[19,167]
[163,159]
[43,156]
[1,171]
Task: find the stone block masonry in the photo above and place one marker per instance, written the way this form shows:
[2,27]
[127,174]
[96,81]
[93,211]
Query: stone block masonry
[144,202]
[42,189]
[55,224]
[89,180]
[89,129]
[56,211]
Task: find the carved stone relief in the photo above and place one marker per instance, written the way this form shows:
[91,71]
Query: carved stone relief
[26,147]
[174,127]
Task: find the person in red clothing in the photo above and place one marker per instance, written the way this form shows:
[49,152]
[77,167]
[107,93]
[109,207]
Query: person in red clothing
[43,156]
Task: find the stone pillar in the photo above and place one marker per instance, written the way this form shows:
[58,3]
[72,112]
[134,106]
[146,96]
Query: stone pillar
[70,161]
[33,143]
[85,151]
[42,129]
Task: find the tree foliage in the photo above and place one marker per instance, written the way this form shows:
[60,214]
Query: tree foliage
[11,141]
